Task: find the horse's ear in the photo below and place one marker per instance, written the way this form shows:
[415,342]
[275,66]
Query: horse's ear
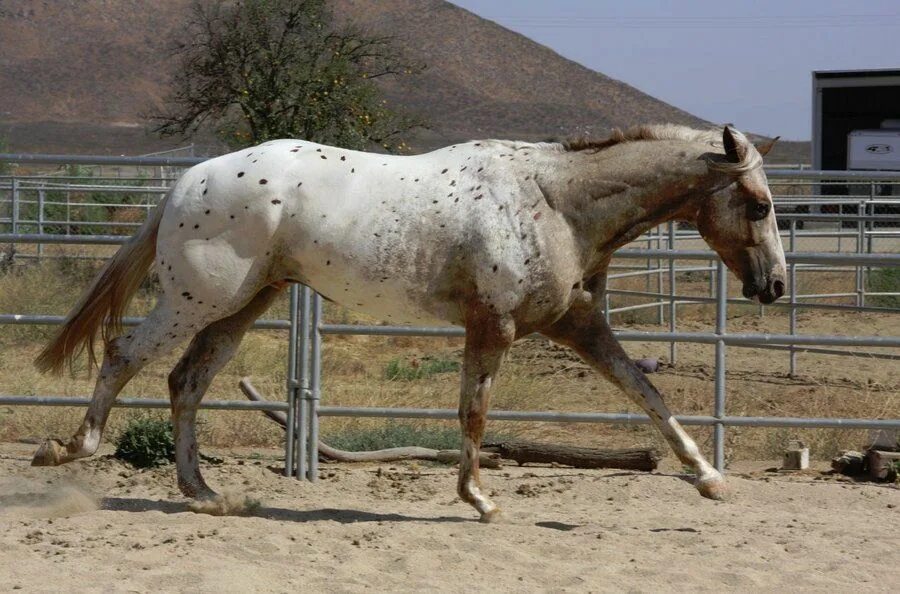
[736,145]
[765,147]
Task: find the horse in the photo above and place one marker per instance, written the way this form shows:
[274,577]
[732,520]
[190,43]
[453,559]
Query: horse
[503,238]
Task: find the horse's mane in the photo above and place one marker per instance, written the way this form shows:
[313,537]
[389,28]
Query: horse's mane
[711,136]
[645,132]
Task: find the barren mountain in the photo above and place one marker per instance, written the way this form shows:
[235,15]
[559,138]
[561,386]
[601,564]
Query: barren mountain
[77,75]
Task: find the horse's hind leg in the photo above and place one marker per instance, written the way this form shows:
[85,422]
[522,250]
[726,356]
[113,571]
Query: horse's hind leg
[124,356]
[210,350]
[586,331]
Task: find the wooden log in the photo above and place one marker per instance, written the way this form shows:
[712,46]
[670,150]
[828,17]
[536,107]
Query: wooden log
[524,452]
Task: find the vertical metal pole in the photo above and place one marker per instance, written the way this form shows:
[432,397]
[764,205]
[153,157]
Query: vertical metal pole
[68,213]
[660,311]
[15,213]
[793,289]
[870,211]
[672,347]
[606,306]
[315,388]
[860,240]
[303,381]
[40,247]
[721,321]
[290,435]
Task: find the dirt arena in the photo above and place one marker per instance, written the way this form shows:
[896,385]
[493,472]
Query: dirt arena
[100,525]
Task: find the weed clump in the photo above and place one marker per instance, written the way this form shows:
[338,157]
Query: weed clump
[146,443]
[884,280]
[398,369]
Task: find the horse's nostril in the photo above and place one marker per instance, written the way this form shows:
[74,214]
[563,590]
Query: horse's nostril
[778,288]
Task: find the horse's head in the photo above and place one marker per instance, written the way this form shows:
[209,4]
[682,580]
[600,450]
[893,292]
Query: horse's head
[738,220]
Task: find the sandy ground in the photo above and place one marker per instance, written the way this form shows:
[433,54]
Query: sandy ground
[100,525]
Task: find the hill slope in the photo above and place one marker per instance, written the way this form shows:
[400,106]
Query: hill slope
[77,75]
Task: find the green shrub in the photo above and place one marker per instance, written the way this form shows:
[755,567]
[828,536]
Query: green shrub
[884,280]
[146,442]
[398,369]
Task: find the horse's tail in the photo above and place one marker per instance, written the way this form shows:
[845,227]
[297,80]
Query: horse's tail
[103,305]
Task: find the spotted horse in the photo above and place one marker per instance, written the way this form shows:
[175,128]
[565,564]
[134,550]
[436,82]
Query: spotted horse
[502,238]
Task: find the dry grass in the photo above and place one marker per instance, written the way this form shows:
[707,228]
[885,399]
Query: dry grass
[538,376]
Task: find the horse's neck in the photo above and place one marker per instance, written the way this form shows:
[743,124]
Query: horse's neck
[612,197]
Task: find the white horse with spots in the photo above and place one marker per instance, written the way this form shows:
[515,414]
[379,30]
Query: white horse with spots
[502,238]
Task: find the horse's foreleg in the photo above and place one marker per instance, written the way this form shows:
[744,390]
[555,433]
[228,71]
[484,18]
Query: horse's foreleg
[123,358]
[487,343]
[207,354]
[591,337]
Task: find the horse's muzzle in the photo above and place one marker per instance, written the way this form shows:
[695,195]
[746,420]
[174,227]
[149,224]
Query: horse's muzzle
[773,289]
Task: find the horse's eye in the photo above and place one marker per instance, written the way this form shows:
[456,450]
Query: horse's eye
[759,210]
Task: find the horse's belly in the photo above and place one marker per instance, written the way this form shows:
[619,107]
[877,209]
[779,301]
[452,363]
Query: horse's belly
[384,299]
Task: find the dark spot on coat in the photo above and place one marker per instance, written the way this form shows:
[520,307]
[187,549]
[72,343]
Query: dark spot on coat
[276,201]
[263,182]
[294,150]
[327,262]
[181,224]
[206,212]
[537,215]
[323,156]
[479,197]
[196,226]
[343,158]
[240,174]
[443,172]
[495,268]
[231,216]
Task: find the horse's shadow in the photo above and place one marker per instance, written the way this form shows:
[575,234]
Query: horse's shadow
[342,516]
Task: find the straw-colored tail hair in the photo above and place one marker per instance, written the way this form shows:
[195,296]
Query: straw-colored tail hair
[103,305]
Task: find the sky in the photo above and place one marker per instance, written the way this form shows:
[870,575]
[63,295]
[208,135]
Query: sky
[743,62]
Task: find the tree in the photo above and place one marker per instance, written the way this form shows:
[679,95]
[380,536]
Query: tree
[255,70]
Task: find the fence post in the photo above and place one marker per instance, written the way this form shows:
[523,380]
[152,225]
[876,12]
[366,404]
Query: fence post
[672,348]
[793,290]
[290,434]
[41,197]
[303,384]
[719,406]
[14,213]
[860,248]
[660,313]
[315,388]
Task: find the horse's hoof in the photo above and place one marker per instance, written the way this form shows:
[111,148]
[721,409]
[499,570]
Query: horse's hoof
[713,488]
[51,453]
[491,517]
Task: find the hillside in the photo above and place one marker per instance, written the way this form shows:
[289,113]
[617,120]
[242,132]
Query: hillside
[77,75]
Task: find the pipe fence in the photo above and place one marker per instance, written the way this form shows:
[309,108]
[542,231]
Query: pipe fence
[813,217]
